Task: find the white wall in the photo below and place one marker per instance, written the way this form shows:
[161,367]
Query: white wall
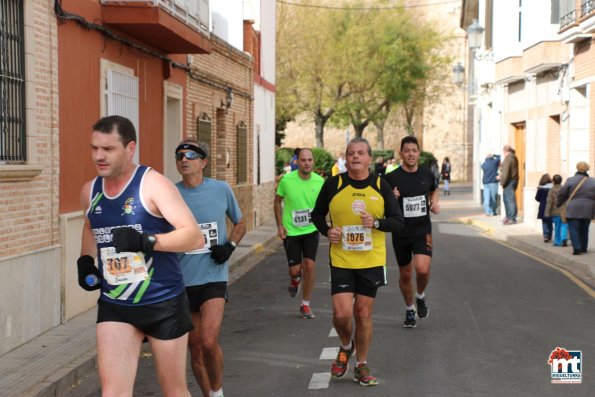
[227,17]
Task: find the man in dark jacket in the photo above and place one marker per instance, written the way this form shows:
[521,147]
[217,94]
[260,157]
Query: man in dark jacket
[509,179]
[490,183]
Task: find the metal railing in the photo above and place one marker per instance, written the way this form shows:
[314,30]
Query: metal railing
[13,144]
[568,19]
[587,6]
[195,13]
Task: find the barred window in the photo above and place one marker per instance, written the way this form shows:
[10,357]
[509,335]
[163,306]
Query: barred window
[242,153]
[13,146]
[203,134]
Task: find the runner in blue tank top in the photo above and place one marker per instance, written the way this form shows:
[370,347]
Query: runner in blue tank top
[135,219]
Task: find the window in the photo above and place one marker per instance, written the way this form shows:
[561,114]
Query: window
[555,14]
[13,145]
[122,100]
[242,153]
[203,134]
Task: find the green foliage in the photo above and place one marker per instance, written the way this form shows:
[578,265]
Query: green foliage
[282,157]
[323,162]
[386,154]
[426,158]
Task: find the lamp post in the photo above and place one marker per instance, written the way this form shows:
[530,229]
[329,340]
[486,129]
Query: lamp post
[458,75]
[474,35]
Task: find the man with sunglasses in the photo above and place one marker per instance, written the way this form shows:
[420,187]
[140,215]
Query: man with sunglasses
[206,270]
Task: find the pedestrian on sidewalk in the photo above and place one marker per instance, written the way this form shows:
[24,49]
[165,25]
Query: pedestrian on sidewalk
[445,174]
[294,201]
[490,183]
[206,270]
[553,211]
[435,171]
[362,208]
[545,184]
[417,196]
[136,217]
[509,179]
[579,190]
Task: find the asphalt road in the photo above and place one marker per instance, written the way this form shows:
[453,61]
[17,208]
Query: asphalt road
[495,316]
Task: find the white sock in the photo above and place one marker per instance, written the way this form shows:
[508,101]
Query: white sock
[305,303]
[347,347]
[423,295]
[217,393]
[411,307]
[360,362]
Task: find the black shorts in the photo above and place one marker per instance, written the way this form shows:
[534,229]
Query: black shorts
[358,281]
[299,247]
[406,247]
[199,294]
[165,320]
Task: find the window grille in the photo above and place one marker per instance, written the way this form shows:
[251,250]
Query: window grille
[242,153]
[122,100]
[13,144]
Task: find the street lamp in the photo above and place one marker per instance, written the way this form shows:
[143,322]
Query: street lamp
[458,75]
[474,34]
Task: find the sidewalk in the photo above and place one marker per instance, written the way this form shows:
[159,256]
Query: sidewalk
[522,237]
[54,363]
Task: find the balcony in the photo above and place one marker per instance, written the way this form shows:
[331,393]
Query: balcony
[509,70]
[587,20]
[544,56]
[172,26]
[570,30]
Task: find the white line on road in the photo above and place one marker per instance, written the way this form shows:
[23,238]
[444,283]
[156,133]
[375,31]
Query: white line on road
[320,380]
[329,353]
[332,333]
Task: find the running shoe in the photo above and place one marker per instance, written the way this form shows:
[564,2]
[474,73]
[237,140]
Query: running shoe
[294,286]
[422,309]
[410,319]
[306,312]
[362,375]
[341,364]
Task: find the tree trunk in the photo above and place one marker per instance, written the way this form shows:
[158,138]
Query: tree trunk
[320,120]
[379,124]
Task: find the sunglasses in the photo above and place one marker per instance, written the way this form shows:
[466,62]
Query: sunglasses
[188,155]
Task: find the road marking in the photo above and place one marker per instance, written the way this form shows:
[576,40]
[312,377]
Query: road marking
[329,353]
[320,380]
[585,287]
[333,333]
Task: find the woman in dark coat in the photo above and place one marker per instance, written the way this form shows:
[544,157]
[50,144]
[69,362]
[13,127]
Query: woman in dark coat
[445,174]
[545,184]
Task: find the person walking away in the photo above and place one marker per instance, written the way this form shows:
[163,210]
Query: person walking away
[206,270]
[553,211]
[293,161]
[445,174]
[579,190]
[545,184]
[509,179]
[134,221]
[417,195]
[362,209]
[294,201]
[490,184]
[435,171]
[379,166]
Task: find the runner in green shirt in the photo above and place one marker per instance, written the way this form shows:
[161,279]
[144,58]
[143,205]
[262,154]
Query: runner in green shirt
[296,194]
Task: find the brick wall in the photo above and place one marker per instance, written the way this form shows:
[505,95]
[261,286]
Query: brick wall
[226,67]
[29,207]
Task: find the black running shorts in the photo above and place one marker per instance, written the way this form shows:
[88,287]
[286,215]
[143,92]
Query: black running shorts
[299,247]
[406,247]
[199,294]
[358,281]
[165,320]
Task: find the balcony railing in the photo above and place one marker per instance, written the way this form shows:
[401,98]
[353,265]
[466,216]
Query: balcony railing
[194,13]
[587,7]
[568,19]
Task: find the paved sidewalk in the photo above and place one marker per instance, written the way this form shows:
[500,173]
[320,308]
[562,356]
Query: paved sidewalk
[54,363]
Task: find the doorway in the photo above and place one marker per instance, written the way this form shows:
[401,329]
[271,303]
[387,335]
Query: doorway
[520,139]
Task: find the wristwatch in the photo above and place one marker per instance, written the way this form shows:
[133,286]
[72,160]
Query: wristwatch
[376,223]
[152,240]
[232,244]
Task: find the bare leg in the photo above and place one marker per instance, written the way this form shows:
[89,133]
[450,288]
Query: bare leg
[342,316]
[405,283]
[170,361]
[363,325]
[308,278]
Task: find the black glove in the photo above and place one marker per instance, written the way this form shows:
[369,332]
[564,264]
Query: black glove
[129,240]
[221,253]
[86,267]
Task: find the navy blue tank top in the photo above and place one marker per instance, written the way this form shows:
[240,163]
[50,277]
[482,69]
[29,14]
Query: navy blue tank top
[128,209]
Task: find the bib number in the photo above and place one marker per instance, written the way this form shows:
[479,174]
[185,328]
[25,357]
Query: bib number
[302,218]
[211,233]
[357,238]
[414,206]
[123,267]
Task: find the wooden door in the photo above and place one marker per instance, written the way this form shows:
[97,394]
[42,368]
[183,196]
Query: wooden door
[519,147]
